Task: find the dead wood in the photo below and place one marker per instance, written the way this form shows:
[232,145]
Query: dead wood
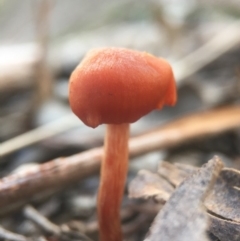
[197,125]
[57,174]
[7,235]
[51,230]
[48,227]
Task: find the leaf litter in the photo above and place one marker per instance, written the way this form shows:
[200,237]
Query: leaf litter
[200,203]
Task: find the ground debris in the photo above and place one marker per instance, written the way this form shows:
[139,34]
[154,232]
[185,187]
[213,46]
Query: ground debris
[224,198]
[147,184]
[215,187]
[49,230]
[7,235]
[225,230]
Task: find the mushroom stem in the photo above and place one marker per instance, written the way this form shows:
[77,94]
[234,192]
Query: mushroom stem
[113,177]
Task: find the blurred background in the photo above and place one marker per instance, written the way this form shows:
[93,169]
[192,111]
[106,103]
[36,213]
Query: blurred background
[42,41]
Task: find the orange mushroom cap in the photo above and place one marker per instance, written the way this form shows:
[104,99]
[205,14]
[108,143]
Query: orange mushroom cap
[117,85]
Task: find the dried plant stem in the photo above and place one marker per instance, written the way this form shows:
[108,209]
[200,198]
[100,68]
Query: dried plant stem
[113,177]
[44,81]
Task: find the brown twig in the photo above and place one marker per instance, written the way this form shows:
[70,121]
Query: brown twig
[56,174]
[60,232]
[47,226]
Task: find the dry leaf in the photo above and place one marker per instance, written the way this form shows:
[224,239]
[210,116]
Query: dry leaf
[148,184]
[183,217]
[223,229]
[176,173]
[222,200]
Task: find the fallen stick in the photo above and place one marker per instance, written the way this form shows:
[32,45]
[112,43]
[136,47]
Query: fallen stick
[10,236]
[38,134]
[58,173]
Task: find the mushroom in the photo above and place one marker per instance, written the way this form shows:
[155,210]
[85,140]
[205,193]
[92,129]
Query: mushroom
[117,86]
